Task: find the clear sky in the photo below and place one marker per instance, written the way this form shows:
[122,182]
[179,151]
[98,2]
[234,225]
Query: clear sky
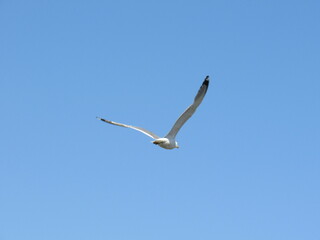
[248,166]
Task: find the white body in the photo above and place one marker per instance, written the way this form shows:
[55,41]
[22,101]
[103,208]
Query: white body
[166,143]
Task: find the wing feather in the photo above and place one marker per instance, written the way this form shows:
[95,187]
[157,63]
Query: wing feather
[190,110]
[146,132]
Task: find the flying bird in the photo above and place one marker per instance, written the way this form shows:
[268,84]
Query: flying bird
[169,142]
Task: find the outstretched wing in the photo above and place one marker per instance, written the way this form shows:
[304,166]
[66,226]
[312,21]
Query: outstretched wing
[150,134]
[190,110]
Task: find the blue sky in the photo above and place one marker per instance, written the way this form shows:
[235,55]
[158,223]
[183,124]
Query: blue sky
[248,163]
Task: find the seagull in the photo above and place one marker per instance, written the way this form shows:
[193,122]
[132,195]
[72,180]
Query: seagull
[169,142]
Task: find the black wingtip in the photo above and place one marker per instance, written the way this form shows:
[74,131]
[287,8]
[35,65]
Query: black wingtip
[206,81]
[103,120]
